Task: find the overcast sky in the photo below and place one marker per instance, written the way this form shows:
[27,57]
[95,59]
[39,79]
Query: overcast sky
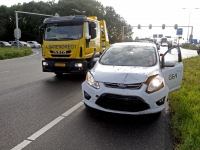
[155,12]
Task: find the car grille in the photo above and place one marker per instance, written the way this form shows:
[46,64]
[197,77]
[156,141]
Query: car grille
[61,55]
[123,86]
[122,103]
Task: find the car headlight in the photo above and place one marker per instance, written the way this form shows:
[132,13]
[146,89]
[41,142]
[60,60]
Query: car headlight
[90,80]
[155,83]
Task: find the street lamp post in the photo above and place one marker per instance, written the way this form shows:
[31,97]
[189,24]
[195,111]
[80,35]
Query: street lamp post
[123,33]
[18,31]
[188,38]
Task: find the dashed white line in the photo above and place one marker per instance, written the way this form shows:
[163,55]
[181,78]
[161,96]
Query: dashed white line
[72,109]
[4,71]
[21,145]
[47,127]
[35,53]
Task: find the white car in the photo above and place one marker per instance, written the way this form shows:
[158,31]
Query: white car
[34,44]
[164,44]
[129,78]
[4,44]
[21,43]
[24,44]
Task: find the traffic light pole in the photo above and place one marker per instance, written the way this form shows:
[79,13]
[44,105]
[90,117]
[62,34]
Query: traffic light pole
[191,35]
[16,16]
[18,30]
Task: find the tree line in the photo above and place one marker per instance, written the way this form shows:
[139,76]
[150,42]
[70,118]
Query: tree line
[29,24]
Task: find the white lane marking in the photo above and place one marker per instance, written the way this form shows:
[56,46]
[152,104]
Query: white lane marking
[21,145]
[47,127]
[35,53]
[4,71]
[72,109]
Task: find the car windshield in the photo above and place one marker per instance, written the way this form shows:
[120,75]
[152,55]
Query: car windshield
[123,55]
[63,32]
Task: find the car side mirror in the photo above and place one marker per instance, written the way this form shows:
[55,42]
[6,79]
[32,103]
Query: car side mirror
[169,64]
[95,59]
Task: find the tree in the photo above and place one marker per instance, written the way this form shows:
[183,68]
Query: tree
[29,24]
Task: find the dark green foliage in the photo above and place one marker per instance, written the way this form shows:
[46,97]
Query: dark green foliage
[29,24]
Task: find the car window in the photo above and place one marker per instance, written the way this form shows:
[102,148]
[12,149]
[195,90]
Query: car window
[124,55]
[172,55]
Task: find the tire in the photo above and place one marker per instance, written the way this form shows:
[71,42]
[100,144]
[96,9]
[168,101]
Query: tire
[58,74]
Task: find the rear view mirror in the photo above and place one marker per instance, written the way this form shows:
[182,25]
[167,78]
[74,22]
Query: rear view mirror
[169,64]
[95,59]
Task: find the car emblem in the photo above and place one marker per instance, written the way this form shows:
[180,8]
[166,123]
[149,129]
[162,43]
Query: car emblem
[121,85]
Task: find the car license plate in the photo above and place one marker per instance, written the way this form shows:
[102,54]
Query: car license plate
[60,65]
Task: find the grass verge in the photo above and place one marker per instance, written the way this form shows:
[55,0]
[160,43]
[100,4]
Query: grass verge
[189,46]
[13,52]
[185,108]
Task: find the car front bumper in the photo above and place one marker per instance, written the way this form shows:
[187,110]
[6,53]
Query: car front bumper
[124,101]
[66,67]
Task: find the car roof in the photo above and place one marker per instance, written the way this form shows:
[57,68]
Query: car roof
[135,44]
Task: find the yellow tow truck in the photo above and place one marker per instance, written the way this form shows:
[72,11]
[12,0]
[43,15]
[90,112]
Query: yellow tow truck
[70,43]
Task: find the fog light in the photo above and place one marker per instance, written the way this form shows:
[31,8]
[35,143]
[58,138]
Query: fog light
[78,65]
[161,101]
[80,68]
[45,63]
[87,96]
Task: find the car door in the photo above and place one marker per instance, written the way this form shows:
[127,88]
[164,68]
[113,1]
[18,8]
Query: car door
[173,75]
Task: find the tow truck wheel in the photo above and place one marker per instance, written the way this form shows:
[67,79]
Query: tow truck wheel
[58,74]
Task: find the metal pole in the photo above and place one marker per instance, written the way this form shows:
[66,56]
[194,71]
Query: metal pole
[16,14]
[23,12]
[123,33]
[191,32]
[188,26]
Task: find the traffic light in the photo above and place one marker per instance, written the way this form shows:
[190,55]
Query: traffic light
[163,26]
[150,26]
[175,26]
[139,26]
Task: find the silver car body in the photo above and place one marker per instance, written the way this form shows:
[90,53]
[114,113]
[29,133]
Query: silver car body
[123,89]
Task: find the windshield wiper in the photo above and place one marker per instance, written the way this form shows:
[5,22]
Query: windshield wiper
[65,38]
[52,38]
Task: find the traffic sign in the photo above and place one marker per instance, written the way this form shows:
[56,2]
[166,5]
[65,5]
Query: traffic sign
[179,31]
[160,35]
[17,33]
[155,36]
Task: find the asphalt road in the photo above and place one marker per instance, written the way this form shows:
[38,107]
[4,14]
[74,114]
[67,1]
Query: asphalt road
[39,111]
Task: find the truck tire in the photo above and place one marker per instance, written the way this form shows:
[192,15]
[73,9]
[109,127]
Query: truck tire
[58,74]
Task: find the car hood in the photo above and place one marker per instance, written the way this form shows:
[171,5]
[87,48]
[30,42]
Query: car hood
[123,74]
